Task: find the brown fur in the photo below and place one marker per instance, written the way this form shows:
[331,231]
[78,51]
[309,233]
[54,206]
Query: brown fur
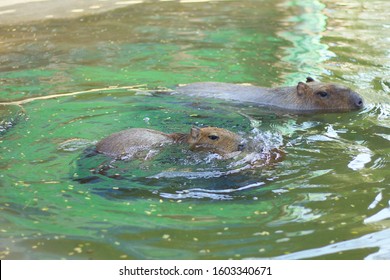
[127,143]
[306,97]
[214,139]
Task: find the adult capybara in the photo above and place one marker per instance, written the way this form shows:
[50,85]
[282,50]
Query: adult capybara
[309,97]
[128,143]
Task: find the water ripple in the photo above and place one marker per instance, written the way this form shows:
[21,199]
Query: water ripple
[378,239]
[221,194]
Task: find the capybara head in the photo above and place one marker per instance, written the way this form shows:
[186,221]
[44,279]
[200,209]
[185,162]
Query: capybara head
[327,97]
[214,139]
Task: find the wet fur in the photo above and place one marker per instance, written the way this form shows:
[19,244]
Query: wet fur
[128,143]
[306,97]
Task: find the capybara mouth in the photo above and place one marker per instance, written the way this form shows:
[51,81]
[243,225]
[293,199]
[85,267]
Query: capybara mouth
[241,147]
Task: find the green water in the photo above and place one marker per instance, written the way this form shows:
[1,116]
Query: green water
[183,205]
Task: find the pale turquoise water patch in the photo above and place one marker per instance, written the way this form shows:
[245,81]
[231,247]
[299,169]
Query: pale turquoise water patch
[181,204]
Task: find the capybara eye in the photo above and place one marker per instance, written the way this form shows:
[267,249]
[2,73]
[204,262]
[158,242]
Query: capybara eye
[322,94]
[214,137]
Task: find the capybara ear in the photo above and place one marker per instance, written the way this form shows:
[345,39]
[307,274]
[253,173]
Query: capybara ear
[309,80]
[302,88]
[195,132]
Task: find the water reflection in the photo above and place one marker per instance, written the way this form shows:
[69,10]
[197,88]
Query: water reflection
[10,115]
[303,26]
[378,240]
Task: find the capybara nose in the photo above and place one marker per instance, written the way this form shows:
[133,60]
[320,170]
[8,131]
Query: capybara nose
[241,147]
[359,102]
[356,100]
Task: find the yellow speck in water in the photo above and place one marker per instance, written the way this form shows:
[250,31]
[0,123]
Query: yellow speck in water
[23,184]
[166,236]
[204,251]
[78,250]
[263,233]
[45,209]
[128,2]
[77,10]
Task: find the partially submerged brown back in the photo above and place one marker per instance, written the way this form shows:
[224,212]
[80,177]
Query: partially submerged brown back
[309,97]
[130,141]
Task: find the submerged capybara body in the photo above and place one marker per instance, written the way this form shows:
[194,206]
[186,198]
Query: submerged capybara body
[127,143]
[306,97]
